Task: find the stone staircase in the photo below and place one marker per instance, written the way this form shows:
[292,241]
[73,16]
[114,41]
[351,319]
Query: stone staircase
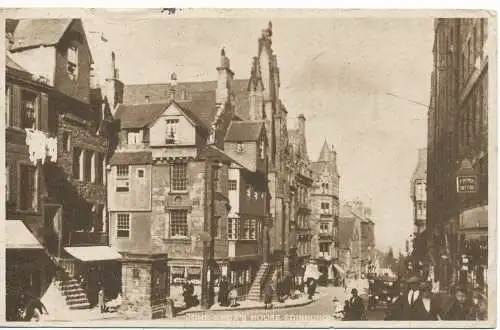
[256,290]
[75,296]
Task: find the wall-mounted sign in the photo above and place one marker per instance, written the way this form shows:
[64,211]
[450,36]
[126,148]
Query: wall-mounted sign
[467,184]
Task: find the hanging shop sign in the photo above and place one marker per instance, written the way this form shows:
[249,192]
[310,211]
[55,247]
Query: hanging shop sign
[467,180]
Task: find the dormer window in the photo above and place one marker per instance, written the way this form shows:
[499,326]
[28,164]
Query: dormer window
[171,131]
[72,62]
[239,147]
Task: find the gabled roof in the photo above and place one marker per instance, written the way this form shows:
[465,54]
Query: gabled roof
[201,94]
[215,154]
[141,115]
[30,33]
[244,131]
[346,231]
[131,158]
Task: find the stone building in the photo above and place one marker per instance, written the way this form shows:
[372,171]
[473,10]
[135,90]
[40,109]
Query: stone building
[457,221]
[325,204]
[418,196]
[299,247]
[187,170]
[74,223]
[349,241]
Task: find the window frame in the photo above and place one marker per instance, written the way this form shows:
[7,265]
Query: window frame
[183,212]
[239,147]
[233,229]
[139,171]
[8,104]
[178,184]
[232,185]
[72,65]
[34,198]
[173,125]
[77,163]
[129,225]
[66,140]
[122,178]
[36,108]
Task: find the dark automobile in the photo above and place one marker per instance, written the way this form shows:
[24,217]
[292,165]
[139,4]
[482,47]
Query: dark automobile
[381,291]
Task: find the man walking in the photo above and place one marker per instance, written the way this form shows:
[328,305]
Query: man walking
[356,310]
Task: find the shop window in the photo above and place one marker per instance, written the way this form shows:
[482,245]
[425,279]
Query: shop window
[123,225]
[178,224]
[29,109]
[179,176]
[28,179]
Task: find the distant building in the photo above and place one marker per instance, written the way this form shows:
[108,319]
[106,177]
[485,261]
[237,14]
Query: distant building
[325,205]
[418,195]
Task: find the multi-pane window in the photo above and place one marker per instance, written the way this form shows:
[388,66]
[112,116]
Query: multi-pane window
[134,137]
[123,225]
[232,184]
[245,229]
[233,232]
[215,178]
[171,131]
[324,247]
[122,178]
[77,160]
[29,109]
[178,223]
[324,227]
[239,147]
[29,183]
[179,176]
[72,62]
[262,150]
[253,229]
[88,168]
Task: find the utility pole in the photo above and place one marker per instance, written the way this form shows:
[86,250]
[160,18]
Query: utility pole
[207,287]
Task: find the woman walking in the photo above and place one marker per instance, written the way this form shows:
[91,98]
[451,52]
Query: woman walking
[268,296]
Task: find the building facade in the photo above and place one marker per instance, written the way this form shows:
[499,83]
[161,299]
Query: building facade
[74,222]
[325,205]
[418,196]
[457,220]
[199,173]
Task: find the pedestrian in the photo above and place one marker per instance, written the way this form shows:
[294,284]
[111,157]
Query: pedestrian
[100,299]
[411,297]
[425,308]
[268,296]
[223,296]
[356,310]
[460,308]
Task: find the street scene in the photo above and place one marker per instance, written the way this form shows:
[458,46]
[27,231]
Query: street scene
[310,168]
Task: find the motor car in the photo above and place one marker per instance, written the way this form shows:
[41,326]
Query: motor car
[381,291]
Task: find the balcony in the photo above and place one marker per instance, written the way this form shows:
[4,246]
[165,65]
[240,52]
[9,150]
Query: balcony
[85,238]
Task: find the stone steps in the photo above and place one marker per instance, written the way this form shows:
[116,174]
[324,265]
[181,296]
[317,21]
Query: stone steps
[255,292]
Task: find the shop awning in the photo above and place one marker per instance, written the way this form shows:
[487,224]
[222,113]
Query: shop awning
[93,253]
[18,236]
[339,269]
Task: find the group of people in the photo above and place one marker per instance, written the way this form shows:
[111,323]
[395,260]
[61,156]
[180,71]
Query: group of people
[418,303]
[227,293]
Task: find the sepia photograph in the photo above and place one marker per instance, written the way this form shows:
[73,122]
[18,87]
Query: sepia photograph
[249,168]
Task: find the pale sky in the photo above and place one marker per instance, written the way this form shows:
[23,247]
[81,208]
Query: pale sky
[336,71]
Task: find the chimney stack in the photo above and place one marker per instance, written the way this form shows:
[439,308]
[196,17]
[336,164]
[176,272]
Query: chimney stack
[173,86]
[301,124]
[225,79]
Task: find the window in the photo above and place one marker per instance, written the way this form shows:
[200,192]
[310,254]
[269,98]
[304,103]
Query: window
[29,109]
[248,191]
[178,223]
[99,169]
[134,137]
[239,147]
[123,225]
[233,184]
[324,227]
[88,168]
[253,229]
[171,131]
[215,178]
[122,178]
[8,93]
[122,171]
[72,62]
[245,229]
[179,176]
[77,160]
[29,192]
[324,247]
[233,232]
[66,141]
[262,150]
[99,218]
[140,173]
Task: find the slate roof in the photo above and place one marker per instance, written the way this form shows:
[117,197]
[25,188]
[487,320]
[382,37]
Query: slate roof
[244,131]
[346,230]
[31,33]
[140,115]
[131,158]
[201,94]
